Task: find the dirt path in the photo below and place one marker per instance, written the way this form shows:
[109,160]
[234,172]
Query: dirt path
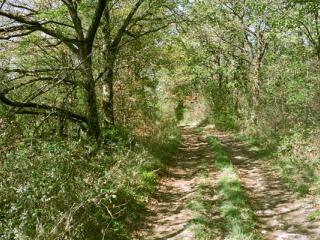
[168,217]
[281,214]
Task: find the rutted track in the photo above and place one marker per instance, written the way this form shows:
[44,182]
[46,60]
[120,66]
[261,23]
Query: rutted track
[168,216]
[280,214]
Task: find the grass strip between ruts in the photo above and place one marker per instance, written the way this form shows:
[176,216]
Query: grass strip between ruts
[233,208]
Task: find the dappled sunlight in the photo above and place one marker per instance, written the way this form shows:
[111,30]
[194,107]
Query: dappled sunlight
[239,157]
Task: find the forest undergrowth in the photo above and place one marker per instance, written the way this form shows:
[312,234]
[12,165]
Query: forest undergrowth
[61,192]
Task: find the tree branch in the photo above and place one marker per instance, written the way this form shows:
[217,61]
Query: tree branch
[44,70]
[22,7]
[72,8]
[35,107]
[95,22]
[308,32]
[70,42]
[125,24]
[139,35]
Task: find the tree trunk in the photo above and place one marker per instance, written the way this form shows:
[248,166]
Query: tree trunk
[109,55]
[256,89]
[261,49]
[318,52]
[91,99]
[93,116]
[220,74]
[107,90]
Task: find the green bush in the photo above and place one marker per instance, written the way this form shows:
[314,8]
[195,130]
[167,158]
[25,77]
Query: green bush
[298,161]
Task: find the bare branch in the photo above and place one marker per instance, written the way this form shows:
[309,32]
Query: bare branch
[72,8]
[22,7]
[8,37]
[2,4]
[19,70]
[40,79]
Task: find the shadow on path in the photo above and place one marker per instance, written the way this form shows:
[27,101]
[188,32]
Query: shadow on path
[168,216]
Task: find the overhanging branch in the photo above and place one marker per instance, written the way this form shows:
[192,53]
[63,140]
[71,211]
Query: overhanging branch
[37,109]
[37,26]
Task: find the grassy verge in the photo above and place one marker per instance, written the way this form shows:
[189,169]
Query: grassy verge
[233,208]
[56,191]
[298,161]
[295,158]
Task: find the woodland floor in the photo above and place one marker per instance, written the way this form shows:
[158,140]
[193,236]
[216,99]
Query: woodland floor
[280,214]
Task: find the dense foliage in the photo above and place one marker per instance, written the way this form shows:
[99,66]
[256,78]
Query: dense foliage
[91,93]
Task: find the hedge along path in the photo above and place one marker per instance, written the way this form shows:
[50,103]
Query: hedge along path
[281,214]
[169,215]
